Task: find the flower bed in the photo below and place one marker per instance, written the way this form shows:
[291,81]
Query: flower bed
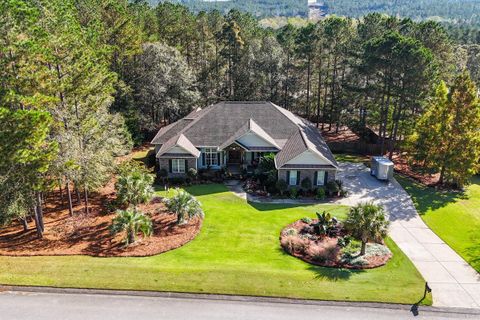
[309,241]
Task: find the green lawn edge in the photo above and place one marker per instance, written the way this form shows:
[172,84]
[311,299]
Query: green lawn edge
[237,252]
[453,215]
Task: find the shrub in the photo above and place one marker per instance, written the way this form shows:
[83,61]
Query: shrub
[162,174]
[291,232]
[326,225]
[367,222]
[131,166]
[176,181]
[131,222]
[293,193]
[332,188]
[321,193]
[192,173]
[306,183]
[184,205]
[307,220]
[282,186]
[294,244]
[344,241]
[134,188]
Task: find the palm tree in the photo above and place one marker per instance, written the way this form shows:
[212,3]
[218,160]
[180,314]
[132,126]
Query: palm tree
[367,222]
[134,188]
[184,205]
[131,222]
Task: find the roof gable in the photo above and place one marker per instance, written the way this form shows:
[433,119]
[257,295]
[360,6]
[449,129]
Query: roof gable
[179,141]
[251,135]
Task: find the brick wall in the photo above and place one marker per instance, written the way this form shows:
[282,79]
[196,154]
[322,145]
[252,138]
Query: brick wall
[282,174]
[163,163]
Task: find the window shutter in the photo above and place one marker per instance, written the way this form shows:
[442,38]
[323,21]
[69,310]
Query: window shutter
[218,159]
[170,165]
[288,177]
[326,178]
[298,177]
[203,158]
[186,165]
[315,178]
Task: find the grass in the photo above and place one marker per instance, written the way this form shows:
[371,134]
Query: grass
[237,252]
[350,157]
[453,216]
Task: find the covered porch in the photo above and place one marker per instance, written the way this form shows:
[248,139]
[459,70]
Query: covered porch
[239,158]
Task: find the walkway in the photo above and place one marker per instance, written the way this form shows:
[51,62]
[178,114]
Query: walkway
[453,281]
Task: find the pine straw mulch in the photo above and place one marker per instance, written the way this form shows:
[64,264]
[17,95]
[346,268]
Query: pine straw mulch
[88,234]
[323,250]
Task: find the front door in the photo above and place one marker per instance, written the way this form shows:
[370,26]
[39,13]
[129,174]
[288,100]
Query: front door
[234,156]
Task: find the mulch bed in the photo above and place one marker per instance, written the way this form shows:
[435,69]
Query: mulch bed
[88,234]
[308,250]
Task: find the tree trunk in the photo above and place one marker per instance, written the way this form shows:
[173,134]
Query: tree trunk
[86,200]
[37,222]
[77,191]
[364,248]
[307,107]
[69,198]
[131,236]
[319,91]
[24,224]
[285,94]
[40,211]
[61,191]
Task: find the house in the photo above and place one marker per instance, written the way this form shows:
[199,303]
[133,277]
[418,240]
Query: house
[234,135]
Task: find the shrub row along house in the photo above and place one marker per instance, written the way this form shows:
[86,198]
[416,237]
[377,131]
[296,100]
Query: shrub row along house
[235,135]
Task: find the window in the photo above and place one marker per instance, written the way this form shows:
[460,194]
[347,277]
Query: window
[211,157]
[293,178]
[178,165]
[320,178]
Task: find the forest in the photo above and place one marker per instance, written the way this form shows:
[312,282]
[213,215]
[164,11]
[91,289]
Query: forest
[458,11]
[81,81]
[258,8]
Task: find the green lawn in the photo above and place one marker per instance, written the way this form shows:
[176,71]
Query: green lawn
[237,252]
[350,157]
[453,216]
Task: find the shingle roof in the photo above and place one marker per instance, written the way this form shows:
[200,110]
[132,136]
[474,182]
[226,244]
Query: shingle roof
[250,126]
[180,141]
[215,125]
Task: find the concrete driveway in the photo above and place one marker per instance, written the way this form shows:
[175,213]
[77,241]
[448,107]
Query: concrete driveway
[454,282]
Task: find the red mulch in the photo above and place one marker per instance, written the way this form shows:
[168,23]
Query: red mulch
[326,247]
[88,234]
[403,167]
[344,134]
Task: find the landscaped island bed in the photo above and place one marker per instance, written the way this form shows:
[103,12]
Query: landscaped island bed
[236,252]
[89,234]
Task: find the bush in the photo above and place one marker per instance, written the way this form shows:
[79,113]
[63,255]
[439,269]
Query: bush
[332,188]
[326,225]
[291,232]
[162,173]
[184,205]
[294,244]
[307,220]
[344,241]
[134,188]
[176,181]
[192,173]
[281,186]
[131,222]
[306,183]
[293,193]
[321,193]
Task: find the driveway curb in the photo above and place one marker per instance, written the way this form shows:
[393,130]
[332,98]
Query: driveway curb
[233,298]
